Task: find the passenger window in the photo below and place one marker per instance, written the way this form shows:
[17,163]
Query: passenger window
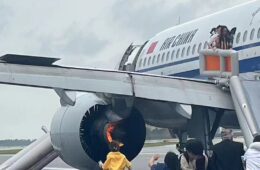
[199,47]
[188,51]
[173,52]
[178,53]
[182,52]
[252,34]
[140,63]
[258,33]
[238,37]
[193,49]
[205,45]
[163,57]
[149,60]
[245,36]
[144,62]
[158,58]
[153,59]
[168,55]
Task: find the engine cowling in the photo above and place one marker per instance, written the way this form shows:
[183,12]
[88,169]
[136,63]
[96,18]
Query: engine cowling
[78,132]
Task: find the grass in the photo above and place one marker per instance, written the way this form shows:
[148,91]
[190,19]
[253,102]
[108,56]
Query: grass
[162,143]
[159,144]
[9,151]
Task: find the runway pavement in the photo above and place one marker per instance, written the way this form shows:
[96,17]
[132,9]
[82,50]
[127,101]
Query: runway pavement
[139,163]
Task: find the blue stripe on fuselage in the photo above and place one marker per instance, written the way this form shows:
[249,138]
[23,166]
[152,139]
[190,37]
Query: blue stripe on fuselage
[245,65]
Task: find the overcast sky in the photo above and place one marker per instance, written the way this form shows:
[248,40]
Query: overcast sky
[82,33]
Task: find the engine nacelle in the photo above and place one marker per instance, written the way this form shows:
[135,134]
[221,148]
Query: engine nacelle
[78,132]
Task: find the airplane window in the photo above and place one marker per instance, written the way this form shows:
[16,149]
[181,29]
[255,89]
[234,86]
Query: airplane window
[163,57]
[258,33]
[153,59]
[244,36]
[149,60]
[172,54]
[178,52]
[158,58]
[140,63]
[167,56]
[238,38]
[144,62]
[188,51]
[199,47]
[193,49]
[252,34]
[205,45]
[182,52]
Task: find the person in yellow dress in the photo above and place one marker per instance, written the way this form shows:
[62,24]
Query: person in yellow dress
[115,159]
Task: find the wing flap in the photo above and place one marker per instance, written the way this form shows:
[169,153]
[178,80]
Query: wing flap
[163,88]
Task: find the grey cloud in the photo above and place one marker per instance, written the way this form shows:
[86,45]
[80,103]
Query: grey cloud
[73,42]
[150,18]
[145,20]
[5,13]
[86,32]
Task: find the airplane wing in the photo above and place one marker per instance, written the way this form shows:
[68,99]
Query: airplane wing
[40,72]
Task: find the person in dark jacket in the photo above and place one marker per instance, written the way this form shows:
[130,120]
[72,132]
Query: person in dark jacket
[227,153]
[171,162]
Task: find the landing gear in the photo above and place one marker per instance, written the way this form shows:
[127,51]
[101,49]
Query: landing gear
[203,124]
[182,136]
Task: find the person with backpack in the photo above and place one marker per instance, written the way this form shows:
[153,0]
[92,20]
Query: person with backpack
[193,158]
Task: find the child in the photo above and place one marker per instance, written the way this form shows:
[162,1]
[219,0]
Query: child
[115,159]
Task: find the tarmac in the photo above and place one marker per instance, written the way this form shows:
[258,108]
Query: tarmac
[139,163]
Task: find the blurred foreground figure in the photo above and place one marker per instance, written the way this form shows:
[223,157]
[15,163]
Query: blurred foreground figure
[171,162]
[252,155]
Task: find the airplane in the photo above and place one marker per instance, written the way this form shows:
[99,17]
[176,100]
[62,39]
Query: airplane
[157,83]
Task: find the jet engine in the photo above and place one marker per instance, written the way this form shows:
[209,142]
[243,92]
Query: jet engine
[79,132]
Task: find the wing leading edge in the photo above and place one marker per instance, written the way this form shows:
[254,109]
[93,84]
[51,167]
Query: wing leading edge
[153,87]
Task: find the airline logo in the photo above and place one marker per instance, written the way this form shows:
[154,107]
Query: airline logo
[152,47]
[181,39]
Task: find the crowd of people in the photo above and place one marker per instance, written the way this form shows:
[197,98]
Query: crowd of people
[225,155]
[221,37]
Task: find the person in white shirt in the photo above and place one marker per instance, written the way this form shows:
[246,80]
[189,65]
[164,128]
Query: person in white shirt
[252,155]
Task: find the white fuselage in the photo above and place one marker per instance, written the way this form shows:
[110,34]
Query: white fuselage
[176,50]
